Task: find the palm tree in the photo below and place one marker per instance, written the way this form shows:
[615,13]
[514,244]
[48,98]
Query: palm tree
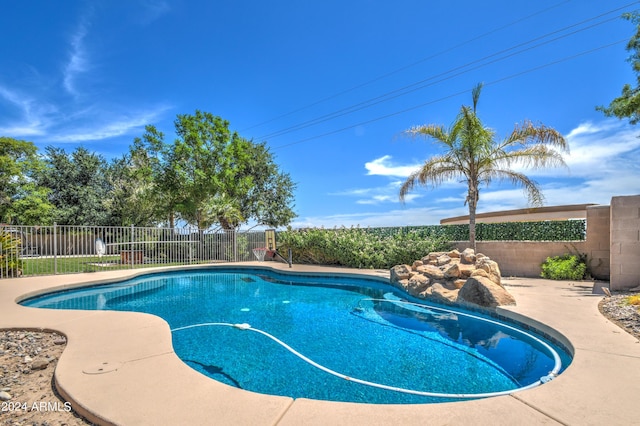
[474,156]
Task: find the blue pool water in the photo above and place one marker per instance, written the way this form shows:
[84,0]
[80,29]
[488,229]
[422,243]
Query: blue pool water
[361,328]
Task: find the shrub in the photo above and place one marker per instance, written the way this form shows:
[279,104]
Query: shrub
[633,300]
[565,267]
[357,247]
[9,249]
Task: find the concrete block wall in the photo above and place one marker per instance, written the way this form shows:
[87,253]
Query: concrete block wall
[523,258]
[625,242]
[612,246]
[598,241]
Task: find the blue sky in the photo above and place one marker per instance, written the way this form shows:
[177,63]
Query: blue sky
[330,86]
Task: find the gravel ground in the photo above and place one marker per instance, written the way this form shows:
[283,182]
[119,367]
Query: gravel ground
[27,394]
[625,316]
[28,359]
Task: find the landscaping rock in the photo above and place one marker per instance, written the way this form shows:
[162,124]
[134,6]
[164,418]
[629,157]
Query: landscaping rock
[400,272]
[5,396]
[482,291]
[418,283]
[431,271]
[439,293]
[468,256]
[454,277]
[491,268]
[39,364]
[453,271]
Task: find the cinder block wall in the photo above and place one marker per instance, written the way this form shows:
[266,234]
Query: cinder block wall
[523,258]
[598,241]
[625,242]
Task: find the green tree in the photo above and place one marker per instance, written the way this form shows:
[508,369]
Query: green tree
[22,200]
[151,161]
[210,175]
[627,105]
[255,188]
[474,156]
[200,166]
[78,184]
[130,198]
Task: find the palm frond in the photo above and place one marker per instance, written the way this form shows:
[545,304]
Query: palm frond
[534,157]
[530,186]
[436,132]
[433,172]
[526,133]
[475,95]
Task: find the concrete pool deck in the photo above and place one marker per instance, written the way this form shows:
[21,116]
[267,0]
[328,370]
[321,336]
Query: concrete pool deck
[120,368]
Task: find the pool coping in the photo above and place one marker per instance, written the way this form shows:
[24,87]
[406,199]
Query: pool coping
[111,378]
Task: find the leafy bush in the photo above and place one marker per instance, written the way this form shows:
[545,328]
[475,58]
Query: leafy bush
[9,249]
[546,230]
[565,267]
[357,247]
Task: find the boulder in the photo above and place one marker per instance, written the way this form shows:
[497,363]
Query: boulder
[468,256]
[491,267]
[431,271]
[482,291]
[400,272]
[453,277]
[454,254]
[418,283]
[452,271]
[459,283]
[442,294]
[466,269]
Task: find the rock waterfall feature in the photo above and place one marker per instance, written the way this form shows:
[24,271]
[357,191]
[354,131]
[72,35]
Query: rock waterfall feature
[454,277]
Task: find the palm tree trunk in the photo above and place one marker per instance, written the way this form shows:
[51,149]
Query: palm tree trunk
[473,203]
[472,225]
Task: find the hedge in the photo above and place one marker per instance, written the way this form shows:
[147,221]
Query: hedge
[548,230]
[357,247]
[386,247]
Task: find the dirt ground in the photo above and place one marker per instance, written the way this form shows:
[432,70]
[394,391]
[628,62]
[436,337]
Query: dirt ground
[27,362]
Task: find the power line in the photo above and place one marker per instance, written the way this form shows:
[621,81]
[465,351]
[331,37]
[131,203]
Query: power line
[420,84]
[396,71]
[423,83]
[500,80]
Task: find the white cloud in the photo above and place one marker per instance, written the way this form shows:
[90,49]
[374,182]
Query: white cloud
[604,162]
[598,151]
[154,9]
[384,167]
[32,114]
[378,195]
[590,128]
[116,127]
[29,111]
[78,60]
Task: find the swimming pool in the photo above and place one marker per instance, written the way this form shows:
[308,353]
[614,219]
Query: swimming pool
[286,334]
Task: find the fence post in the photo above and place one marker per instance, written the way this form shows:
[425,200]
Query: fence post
[235,245]
[131,247]
[55,249]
